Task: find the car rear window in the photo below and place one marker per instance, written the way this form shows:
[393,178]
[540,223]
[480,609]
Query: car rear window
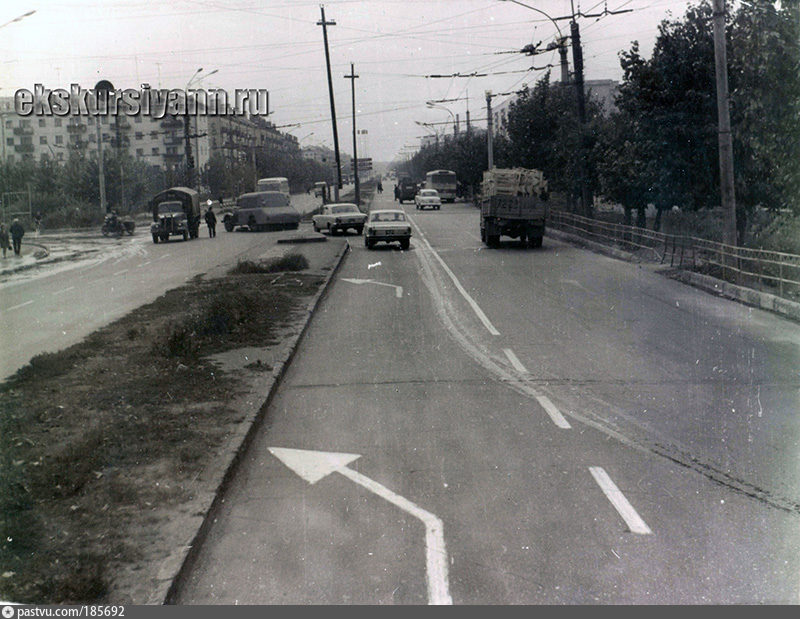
[388,217]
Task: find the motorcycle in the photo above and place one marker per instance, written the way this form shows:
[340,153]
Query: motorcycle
[114,226]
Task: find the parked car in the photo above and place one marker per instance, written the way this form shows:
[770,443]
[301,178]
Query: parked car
[427,198]
[339,217]
[262,210]
[387,226]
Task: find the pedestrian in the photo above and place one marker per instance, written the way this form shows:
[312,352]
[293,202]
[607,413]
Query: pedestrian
[17,232]
[37,222]
[4,238]
[396,193]
[380,187]
[211,222]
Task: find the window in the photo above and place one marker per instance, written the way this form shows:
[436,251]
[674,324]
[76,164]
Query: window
[140,152]
[41,122]
[139,135]
[59,139]
[154,135]
[137,119]
[155,150]
[42,139]
[10,141]
[9,124]
[57,122]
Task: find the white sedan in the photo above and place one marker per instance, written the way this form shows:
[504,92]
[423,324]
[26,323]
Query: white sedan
[427,198]
[339,216]
[386,226]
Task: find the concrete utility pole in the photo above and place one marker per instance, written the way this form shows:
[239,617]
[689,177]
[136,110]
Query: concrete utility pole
[106,87]
[352,77]
[727,191]
[325,25]
[489,127]
[577,61]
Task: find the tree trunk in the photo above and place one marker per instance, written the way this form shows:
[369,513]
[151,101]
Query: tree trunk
[641,221]
[657,221]
[627,220]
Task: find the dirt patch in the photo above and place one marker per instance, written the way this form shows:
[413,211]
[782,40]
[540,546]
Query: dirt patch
[102,444]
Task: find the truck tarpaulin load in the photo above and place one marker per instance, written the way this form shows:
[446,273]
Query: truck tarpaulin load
[176,212]
[514,204]
[406,189]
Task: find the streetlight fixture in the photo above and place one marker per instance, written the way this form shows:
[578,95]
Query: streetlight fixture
[16,19]
[433,105]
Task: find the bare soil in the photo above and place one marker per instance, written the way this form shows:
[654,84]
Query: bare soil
[102,444]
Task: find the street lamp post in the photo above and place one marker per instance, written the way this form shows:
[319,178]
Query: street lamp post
[560,44]
[432,105]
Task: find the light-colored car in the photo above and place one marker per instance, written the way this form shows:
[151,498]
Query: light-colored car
[339,216]
[387,226]
[262,210]
[427,198]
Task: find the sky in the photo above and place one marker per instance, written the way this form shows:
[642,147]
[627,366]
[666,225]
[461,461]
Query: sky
[277,45]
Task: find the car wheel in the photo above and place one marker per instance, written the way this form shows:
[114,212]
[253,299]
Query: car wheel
[405,243]
[185,236]
[314,224]
[228,225]
[155,238]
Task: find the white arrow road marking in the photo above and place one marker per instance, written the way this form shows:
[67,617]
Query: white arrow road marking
[618,500]
[314,465]
[398,289]
[475,307]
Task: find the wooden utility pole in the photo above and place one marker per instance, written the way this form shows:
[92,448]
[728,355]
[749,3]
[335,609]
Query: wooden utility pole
[325,24]
[577,61]
[727,191]
[352,77]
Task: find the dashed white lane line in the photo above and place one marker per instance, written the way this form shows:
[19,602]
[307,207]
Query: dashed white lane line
[515,361]
[618,500]
[554,413]
[475,307]
[121,272]
[63,290]
[144,264]
[164,256]
[13,307]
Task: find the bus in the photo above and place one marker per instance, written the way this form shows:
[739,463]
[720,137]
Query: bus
[275,183]
[443,181]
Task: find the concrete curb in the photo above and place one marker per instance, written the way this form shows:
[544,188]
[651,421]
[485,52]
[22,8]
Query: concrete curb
[747,296]
[180,565]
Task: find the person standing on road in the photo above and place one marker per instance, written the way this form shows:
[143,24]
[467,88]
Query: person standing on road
[17,232]
[211,222]
[4,238]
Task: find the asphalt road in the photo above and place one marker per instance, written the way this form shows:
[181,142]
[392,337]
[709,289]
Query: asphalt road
[47,309]
[523,426]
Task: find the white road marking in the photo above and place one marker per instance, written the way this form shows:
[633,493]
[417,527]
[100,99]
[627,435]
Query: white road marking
[475,307]
[121,272]
[19,306]
[618,500]
[398,289]
[314,465]
[574,282]
[515,361]
[372,266]
[554,413]
[164,256]
[144,264]
[64,290]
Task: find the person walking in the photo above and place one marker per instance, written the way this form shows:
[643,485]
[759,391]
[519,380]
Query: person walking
[4,238]
[211,222]
[17,232]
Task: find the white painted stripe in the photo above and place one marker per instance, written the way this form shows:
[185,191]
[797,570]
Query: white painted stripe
[399,292]
[618,500]
[164,256]
[18,306]
[64,290]
[475,307]
[144,264]
[435,551]
[121,272]
[514,361]
[554,413]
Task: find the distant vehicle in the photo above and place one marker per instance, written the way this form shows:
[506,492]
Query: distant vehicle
[339,217]
[262,210]
[114,225]
[407,189]
[443,181]
[513,203]
[274,183]
[387,226]
[427,198]
[176,212]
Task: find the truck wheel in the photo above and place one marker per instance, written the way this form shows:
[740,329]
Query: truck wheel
[185,236]
[359,230]
[228,225]
[535,241]
[493,240]
[155,238]
[483,235]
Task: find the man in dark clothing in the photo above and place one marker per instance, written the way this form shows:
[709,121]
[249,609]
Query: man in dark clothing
[17,232]
[211,222]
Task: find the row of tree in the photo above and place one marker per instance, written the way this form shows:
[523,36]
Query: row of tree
[659,146]
[68,194]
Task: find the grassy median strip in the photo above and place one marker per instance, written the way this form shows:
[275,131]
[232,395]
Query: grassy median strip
[101,442]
